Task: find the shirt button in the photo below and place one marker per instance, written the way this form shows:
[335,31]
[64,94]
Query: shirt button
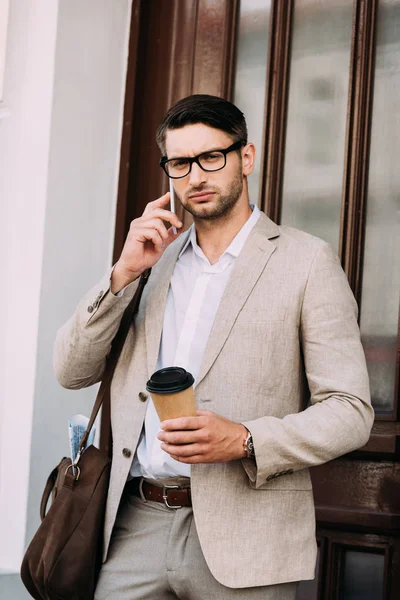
[126,452]
[90,309]
[143,396]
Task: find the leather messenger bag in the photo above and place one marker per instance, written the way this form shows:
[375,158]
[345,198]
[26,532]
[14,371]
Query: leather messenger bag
[64,558]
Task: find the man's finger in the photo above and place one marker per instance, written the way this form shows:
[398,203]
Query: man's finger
[190,460]
[161,201]
[158,225]
[162,214]
[184,451]
[204,413]
[151,235]
[181,437]
[182,423]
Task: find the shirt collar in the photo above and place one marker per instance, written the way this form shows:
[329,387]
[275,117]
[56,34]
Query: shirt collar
[236,244]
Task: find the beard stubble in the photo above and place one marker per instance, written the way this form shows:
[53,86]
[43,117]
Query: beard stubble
[227,200]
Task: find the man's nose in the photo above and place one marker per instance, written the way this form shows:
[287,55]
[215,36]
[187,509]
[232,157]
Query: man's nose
[196,176]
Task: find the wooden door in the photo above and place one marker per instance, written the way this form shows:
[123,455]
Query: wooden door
[319,82]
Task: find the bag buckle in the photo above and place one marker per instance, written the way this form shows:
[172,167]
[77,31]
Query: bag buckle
[77,474]
[165,494]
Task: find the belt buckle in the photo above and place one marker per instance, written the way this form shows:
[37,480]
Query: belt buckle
[165,495]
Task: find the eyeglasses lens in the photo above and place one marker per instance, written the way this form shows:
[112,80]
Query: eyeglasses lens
[211,161]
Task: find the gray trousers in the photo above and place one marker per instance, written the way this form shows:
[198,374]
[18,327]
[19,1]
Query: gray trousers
[155,555]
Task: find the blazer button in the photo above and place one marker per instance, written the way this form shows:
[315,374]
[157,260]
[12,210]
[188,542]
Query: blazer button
[90,309]
[126,452]
[143,396]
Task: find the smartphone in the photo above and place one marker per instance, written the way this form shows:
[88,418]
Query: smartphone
[172,201]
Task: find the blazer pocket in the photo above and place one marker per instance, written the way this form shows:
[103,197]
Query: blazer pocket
[299,480]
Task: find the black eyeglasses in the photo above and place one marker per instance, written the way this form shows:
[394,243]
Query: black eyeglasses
[213,160]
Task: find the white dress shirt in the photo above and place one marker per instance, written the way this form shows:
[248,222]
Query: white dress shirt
[188,319]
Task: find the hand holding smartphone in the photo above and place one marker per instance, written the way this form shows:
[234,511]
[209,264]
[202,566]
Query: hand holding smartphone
[147,239]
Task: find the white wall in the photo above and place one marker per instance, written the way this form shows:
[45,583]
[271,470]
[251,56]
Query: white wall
[59,160]
[24,155]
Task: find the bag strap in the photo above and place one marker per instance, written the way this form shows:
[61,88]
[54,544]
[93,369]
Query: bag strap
[103,394]
[51,480]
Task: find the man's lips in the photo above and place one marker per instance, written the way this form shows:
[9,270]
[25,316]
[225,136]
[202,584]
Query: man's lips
[201,195]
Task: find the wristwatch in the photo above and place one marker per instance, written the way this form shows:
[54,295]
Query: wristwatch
[249,445]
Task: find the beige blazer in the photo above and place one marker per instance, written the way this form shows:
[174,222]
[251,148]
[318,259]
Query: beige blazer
[285,337]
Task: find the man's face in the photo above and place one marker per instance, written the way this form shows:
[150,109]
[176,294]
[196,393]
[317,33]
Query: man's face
[206,195]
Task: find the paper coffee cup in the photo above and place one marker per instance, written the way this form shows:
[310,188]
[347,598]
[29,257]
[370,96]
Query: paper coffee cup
[172,393]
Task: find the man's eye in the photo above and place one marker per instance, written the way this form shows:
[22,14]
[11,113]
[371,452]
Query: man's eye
[179,163]
[211,156]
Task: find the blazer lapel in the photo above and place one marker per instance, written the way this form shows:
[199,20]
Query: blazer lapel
[157,290]
[247,269]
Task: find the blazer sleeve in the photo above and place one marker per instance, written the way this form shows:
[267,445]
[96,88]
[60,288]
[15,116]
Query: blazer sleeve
[340,416]
[83,343]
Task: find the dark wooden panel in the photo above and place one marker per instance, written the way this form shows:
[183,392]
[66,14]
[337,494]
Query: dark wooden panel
[276,107]
[358,494]
[384,441]
[181,65]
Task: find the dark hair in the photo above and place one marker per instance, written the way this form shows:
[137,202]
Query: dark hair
[209,110]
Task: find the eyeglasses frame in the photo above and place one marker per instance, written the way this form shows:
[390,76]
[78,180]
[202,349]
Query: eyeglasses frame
[235,146]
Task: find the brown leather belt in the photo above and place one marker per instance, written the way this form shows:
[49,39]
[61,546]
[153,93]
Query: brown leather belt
[173,496]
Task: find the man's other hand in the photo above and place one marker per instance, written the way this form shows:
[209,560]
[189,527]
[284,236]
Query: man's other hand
[206,438]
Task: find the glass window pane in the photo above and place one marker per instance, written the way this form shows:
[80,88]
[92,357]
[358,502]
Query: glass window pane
[362,578]
[251,76]
[316,126]
[381,269]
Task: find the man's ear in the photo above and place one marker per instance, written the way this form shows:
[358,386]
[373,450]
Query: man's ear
[248,158]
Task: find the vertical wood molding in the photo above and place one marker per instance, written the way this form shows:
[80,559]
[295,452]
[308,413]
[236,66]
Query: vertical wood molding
[276,107]
[182,56]
[215,43]
[359,114]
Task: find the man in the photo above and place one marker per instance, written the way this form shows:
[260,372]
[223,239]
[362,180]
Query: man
[264,319]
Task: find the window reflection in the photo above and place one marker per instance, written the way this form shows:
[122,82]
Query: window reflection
[251,76]
[316,126]
[381,270]
[362,576]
